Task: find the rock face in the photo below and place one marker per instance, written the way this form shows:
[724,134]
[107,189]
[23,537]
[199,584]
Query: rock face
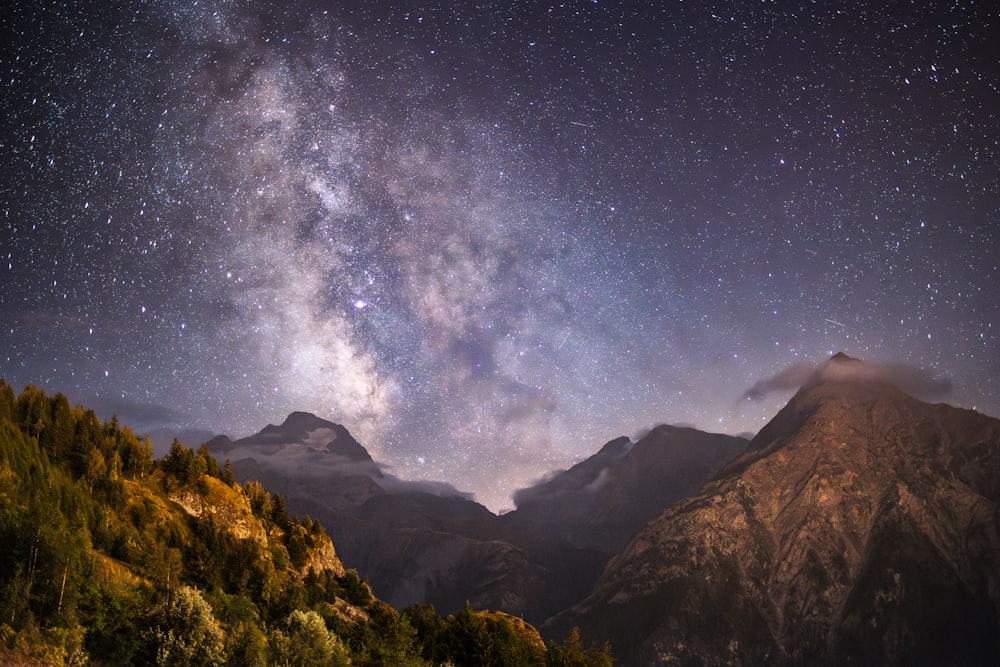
[861,526]
[416,547]
[230,510]
[602,502]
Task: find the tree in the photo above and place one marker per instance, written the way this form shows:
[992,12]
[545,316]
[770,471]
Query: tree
[307,642]
[298,550]
[572,654]
[136,455]
[227,473]
[465,638]
[7,401]
[491,638]
[180,462]
[259,499]
[33,411]
[279,513]
[207,463]
[61,432]
[88,440]
[247,645]
[429,628]
[184,632]
[396,642]
[353,590]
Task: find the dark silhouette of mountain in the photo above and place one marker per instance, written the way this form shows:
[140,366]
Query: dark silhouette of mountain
[417,547]
[861,526]
[603,501]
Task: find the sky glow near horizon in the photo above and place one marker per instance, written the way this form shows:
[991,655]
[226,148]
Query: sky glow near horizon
[489,239]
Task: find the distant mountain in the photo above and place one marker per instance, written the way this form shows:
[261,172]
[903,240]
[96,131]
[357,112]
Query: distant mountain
[603,501]
[861,526]
[310,461]
[307,431]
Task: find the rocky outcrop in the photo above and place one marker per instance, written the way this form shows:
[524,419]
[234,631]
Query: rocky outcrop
[228,508]
[323,557]
[861,526]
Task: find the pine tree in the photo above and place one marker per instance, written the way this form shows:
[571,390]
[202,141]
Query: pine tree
[7,401]
[227,473]
[63,427]
[279,513]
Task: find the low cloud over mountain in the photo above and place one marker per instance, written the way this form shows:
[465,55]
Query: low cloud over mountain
[919,382]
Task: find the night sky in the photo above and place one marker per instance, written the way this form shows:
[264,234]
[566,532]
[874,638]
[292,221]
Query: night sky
[487,239]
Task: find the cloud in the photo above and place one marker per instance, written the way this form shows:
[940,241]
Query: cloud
[392,484]
[583,478]
[544,488]
[787,379]
[919,382]
[527,408]
[44,321]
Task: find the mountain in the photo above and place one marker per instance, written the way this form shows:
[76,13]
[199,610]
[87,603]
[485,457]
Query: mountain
[305,431]
[416,546]
[603,501]
[415,542]
[861,526]
[300,459]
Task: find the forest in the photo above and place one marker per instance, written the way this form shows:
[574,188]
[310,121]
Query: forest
[109,556]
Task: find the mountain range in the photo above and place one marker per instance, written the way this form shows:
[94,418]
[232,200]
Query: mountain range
[420,542]
[859,526]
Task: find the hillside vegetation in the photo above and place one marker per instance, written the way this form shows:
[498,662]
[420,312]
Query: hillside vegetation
[109,557]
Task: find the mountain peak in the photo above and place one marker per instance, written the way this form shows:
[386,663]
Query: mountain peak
[305,420]
[305,428]
[841,368]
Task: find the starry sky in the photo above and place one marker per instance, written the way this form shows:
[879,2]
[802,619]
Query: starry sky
[489,237]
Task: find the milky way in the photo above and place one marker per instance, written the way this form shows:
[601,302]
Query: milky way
[489,239]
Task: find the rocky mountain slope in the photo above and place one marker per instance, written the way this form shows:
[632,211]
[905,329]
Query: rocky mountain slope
[861,526]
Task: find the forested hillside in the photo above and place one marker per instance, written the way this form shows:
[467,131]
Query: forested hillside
[109,557]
